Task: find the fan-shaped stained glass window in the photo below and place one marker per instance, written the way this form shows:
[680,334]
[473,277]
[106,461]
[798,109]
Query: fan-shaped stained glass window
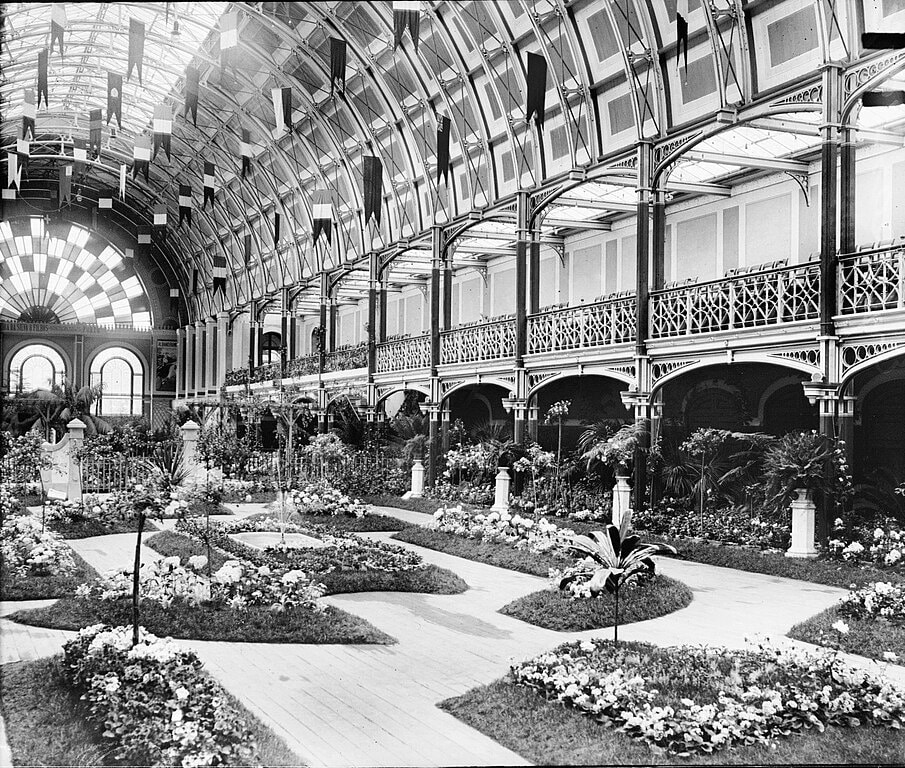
[118,371]
[36,366]
[65,274]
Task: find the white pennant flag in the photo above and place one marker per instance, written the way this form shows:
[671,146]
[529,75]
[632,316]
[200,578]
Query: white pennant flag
[13,172]
[122,181]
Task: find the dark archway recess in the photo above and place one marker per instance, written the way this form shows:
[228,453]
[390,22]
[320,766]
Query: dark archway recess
[879,433]
[743,397]
[593,398]
[479,406]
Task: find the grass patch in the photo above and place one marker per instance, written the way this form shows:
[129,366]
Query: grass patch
[640,600]
[262,497]
[431,580]
[865,637]
[255,625]
[46,587]
[84,529]
[500,555]
[547,733]
[46,724]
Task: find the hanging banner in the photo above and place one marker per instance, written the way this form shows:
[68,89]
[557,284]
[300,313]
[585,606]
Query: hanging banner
[372,187]
[406,13]
[136,48]
[537,89]
[443,131]
[245,151]
[42,77]
[80,153]
[160,214]
[682,33]
[185,203]
[29,114]
[282,107]
[105,200]
[219,273]
[209,179]
[337,64]
[162,128]
[94,132]
[115,98]
[191,93]
[141,156]
[322,214]
[57,24]
[122,181]
[165,356]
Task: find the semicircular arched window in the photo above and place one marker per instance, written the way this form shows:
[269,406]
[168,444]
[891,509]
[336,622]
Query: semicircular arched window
[36,366]
[120,375]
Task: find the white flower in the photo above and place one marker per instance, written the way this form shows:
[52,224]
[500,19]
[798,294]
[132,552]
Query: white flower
[892,557]
[841,627]
[181,693]
[587,645]
[879,533]
[176,717]
[890,656]
[172,561]
[197,562]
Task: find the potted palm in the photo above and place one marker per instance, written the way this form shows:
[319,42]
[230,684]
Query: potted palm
[795,468]
[618,452]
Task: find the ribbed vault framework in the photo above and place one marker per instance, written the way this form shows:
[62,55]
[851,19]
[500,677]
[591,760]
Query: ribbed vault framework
[614,79]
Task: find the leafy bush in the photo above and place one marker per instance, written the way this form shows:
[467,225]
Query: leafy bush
[152,701]
[28,550]
[539,536]
[322,499]
[881,600]
[883,546]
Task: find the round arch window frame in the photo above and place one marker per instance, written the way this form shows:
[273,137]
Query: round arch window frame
[96,376]
[29,351]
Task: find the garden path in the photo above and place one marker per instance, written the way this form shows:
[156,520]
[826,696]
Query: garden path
[375,705]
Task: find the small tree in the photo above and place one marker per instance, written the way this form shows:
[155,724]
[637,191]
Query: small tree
[555,415]
[619,558]
[704,446]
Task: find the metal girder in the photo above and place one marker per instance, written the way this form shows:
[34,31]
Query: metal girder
[598,226]
[600,205]
[785,126]
[746,161]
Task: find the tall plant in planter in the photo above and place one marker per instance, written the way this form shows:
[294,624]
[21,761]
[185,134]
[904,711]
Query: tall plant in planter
[555,415]
[703,446]
[616,557]
[797,464]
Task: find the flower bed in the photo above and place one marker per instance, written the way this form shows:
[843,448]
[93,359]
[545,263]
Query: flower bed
[258,490]
[93,516]
[882,547]
[869,621]
[153,702]
[693,700]
[640,600]
[320,498]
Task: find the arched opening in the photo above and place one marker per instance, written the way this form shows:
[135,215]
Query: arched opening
[480,409]
[120,375]
[271,348]
[36,366]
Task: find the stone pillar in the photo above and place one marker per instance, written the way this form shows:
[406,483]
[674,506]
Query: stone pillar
[180,362]
[76,434]
[622,499]
[501,492]
[223,348]
[198,385]
[189,360]
[803,514]
[210,355]
[191,460]
[532,423]
[847,425]
[417,480]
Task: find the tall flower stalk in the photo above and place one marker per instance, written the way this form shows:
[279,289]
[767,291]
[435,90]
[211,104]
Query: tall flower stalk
[555,414]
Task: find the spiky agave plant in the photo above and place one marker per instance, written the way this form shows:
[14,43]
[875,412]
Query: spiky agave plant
[617,558]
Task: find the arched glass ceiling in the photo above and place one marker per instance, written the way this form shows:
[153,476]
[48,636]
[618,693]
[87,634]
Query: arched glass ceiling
[77,277]
[615,74]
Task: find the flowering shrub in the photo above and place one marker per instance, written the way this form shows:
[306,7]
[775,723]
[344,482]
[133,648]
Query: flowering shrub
[322,499]
[504,528]
[29,551]
[736,525]
[10,504]
[878,600]
[883,546]
[234,489]
[477,463]
[23,458]
[237,585]
[748,697]
[153,702]
[466,492]
[327,446]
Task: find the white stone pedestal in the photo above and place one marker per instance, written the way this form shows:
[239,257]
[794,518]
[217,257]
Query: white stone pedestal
[803,513]
[501,495]
[622,499]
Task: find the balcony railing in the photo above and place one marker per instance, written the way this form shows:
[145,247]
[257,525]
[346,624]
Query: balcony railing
[872,282]
[770,297]
[303,366]
[236,376]
[487,341]
[404,354]
[611,321]
[267,372]
[347,359]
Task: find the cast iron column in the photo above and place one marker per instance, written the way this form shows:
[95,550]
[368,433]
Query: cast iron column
[437,255]
[642,288]
[523,202]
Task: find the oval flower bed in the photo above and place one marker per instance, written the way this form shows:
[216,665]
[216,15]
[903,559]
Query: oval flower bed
[321,503]
[688,701]
[869,622]
[240,602]
[644,599]
[347,563]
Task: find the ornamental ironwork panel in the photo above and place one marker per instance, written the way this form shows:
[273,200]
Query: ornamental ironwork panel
[872,283]
[474,343]
[752,300]
[266,372]
[593,325]
[404,354]
[303,366]
[236,376]
[347,359]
